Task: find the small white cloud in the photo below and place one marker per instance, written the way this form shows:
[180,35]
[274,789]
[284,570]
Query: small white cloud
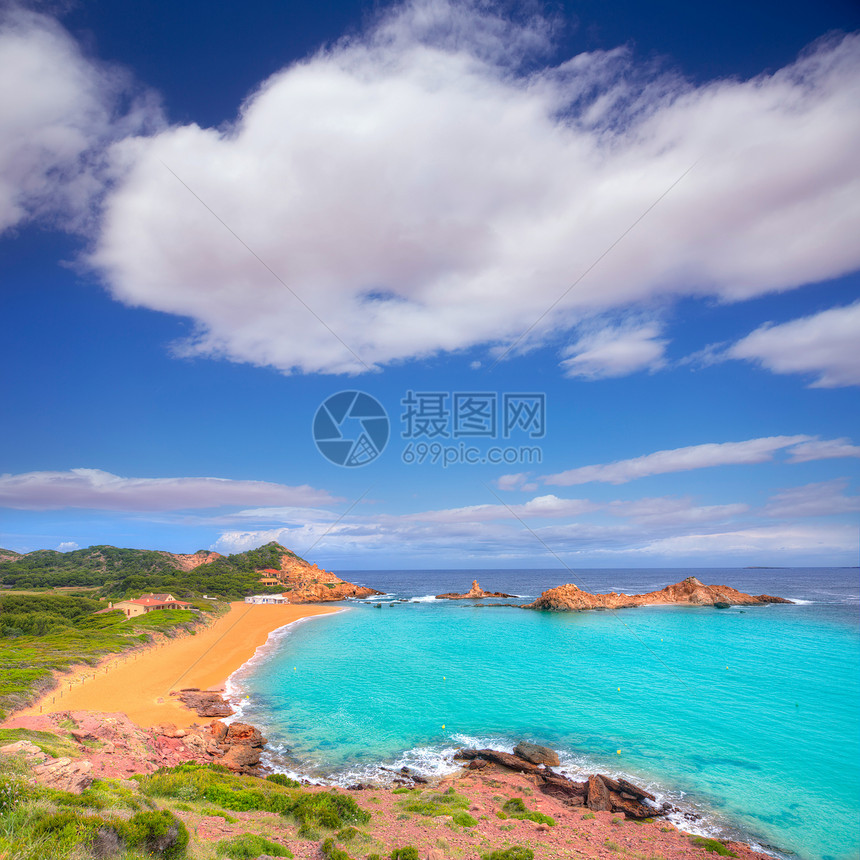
[823,449]
[615,352]
[813,500]
[677,460]
[826,344]
[511,482]
[93,488]
[67,546]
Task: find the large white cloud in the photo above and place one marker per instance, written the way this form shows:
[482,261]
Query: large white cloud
[58,111]
[94,488]
[826,344]
[420,192]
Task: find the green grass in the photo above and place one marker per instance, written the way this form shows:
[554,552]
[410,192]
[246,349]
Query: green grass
[406,853]
[331,852]
[516,852]
[515,808]
[432,805]
[249,846]
[714,846]
[214,784]
[56,746]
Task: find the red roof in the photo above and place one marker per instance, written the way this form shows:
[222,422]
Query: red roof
[269,570]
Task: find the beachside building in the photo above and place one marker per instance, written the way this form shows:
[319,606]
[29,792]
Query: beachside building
[269,576]
[149,603]
[267,598]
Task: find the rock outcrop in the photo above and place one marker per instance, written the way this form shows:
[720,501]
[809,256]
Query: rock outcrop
[204,702]
[537,754]
[64,773]
[688,592]
[599,793]
[112,746]
[188,561]
[475,593]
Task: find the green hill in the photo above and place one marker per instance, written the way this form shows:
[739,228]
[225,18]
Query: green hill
[119,572]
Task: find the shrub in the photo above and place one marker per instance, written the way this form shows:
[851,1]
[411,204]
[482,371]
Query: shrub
[515,808]
[283,779]
[516,852]
[160,833]
[588,815]
[714,846]
[331,852]
[464,819]
[407,853]
[447,803]
[330,810]
[249,845]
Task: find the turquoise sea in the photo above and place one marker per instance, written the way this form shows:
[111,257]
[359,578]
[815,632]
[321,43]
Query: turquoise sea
[745,717]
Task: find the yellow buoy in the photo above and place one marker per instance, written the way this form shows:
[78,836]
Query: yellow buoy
[618,751]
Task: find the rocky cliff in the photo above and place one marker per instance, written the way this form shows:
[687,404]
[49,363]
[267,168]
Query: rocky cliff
[691,592]
[188,561]
[475,592]
[307,583]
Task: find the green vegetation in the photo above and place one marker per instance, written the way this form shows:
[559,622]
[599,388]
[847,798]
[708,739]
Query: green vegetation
[282,779]
[215,784]
[111,820]
[588,815]
[249,846]
[515,808]
[464,819]
[51,744]
[714,846]
[43,633]
[331,852]
[407,853]
[449,803]
[516,852]
[123,573]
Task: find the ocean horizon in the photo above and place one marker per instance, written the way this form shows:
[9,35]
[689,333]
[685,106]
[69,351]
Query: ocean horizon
[744,718]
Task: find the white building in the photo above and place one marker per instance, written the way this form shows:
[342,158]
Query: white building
[266,598]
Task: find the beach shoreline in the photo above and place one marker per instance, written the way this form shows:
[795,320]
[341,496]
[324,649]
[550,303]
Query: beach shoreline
[139,684]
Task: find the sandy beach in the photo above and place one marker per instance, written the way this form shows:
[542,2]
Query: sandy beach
[139,685]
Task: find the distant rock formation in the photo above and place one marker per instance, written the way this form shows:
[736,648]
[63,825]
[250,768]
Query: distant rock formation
[475,592]
[689,592]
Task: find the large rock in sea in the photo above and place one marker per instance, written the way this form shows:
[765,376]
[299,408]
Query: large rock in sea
[688,592]
[475,593]
[537,754]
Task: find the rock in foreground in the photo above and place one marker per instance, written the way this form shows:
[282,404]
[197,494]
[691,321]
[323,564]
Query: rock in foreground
[689,592]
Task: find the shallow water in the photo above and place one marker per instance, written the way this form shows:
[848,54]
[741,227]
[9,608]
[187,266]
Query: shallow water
[747,716]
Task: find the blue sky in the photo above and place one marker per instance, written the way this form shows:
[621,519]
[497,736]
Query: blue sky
[212,218]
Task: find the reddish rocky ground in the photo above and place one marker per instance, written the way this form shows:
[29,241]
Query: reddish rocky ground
[111,746]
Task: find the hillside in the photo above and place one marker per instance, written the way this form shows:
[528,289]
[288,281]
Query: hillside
[119,572]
